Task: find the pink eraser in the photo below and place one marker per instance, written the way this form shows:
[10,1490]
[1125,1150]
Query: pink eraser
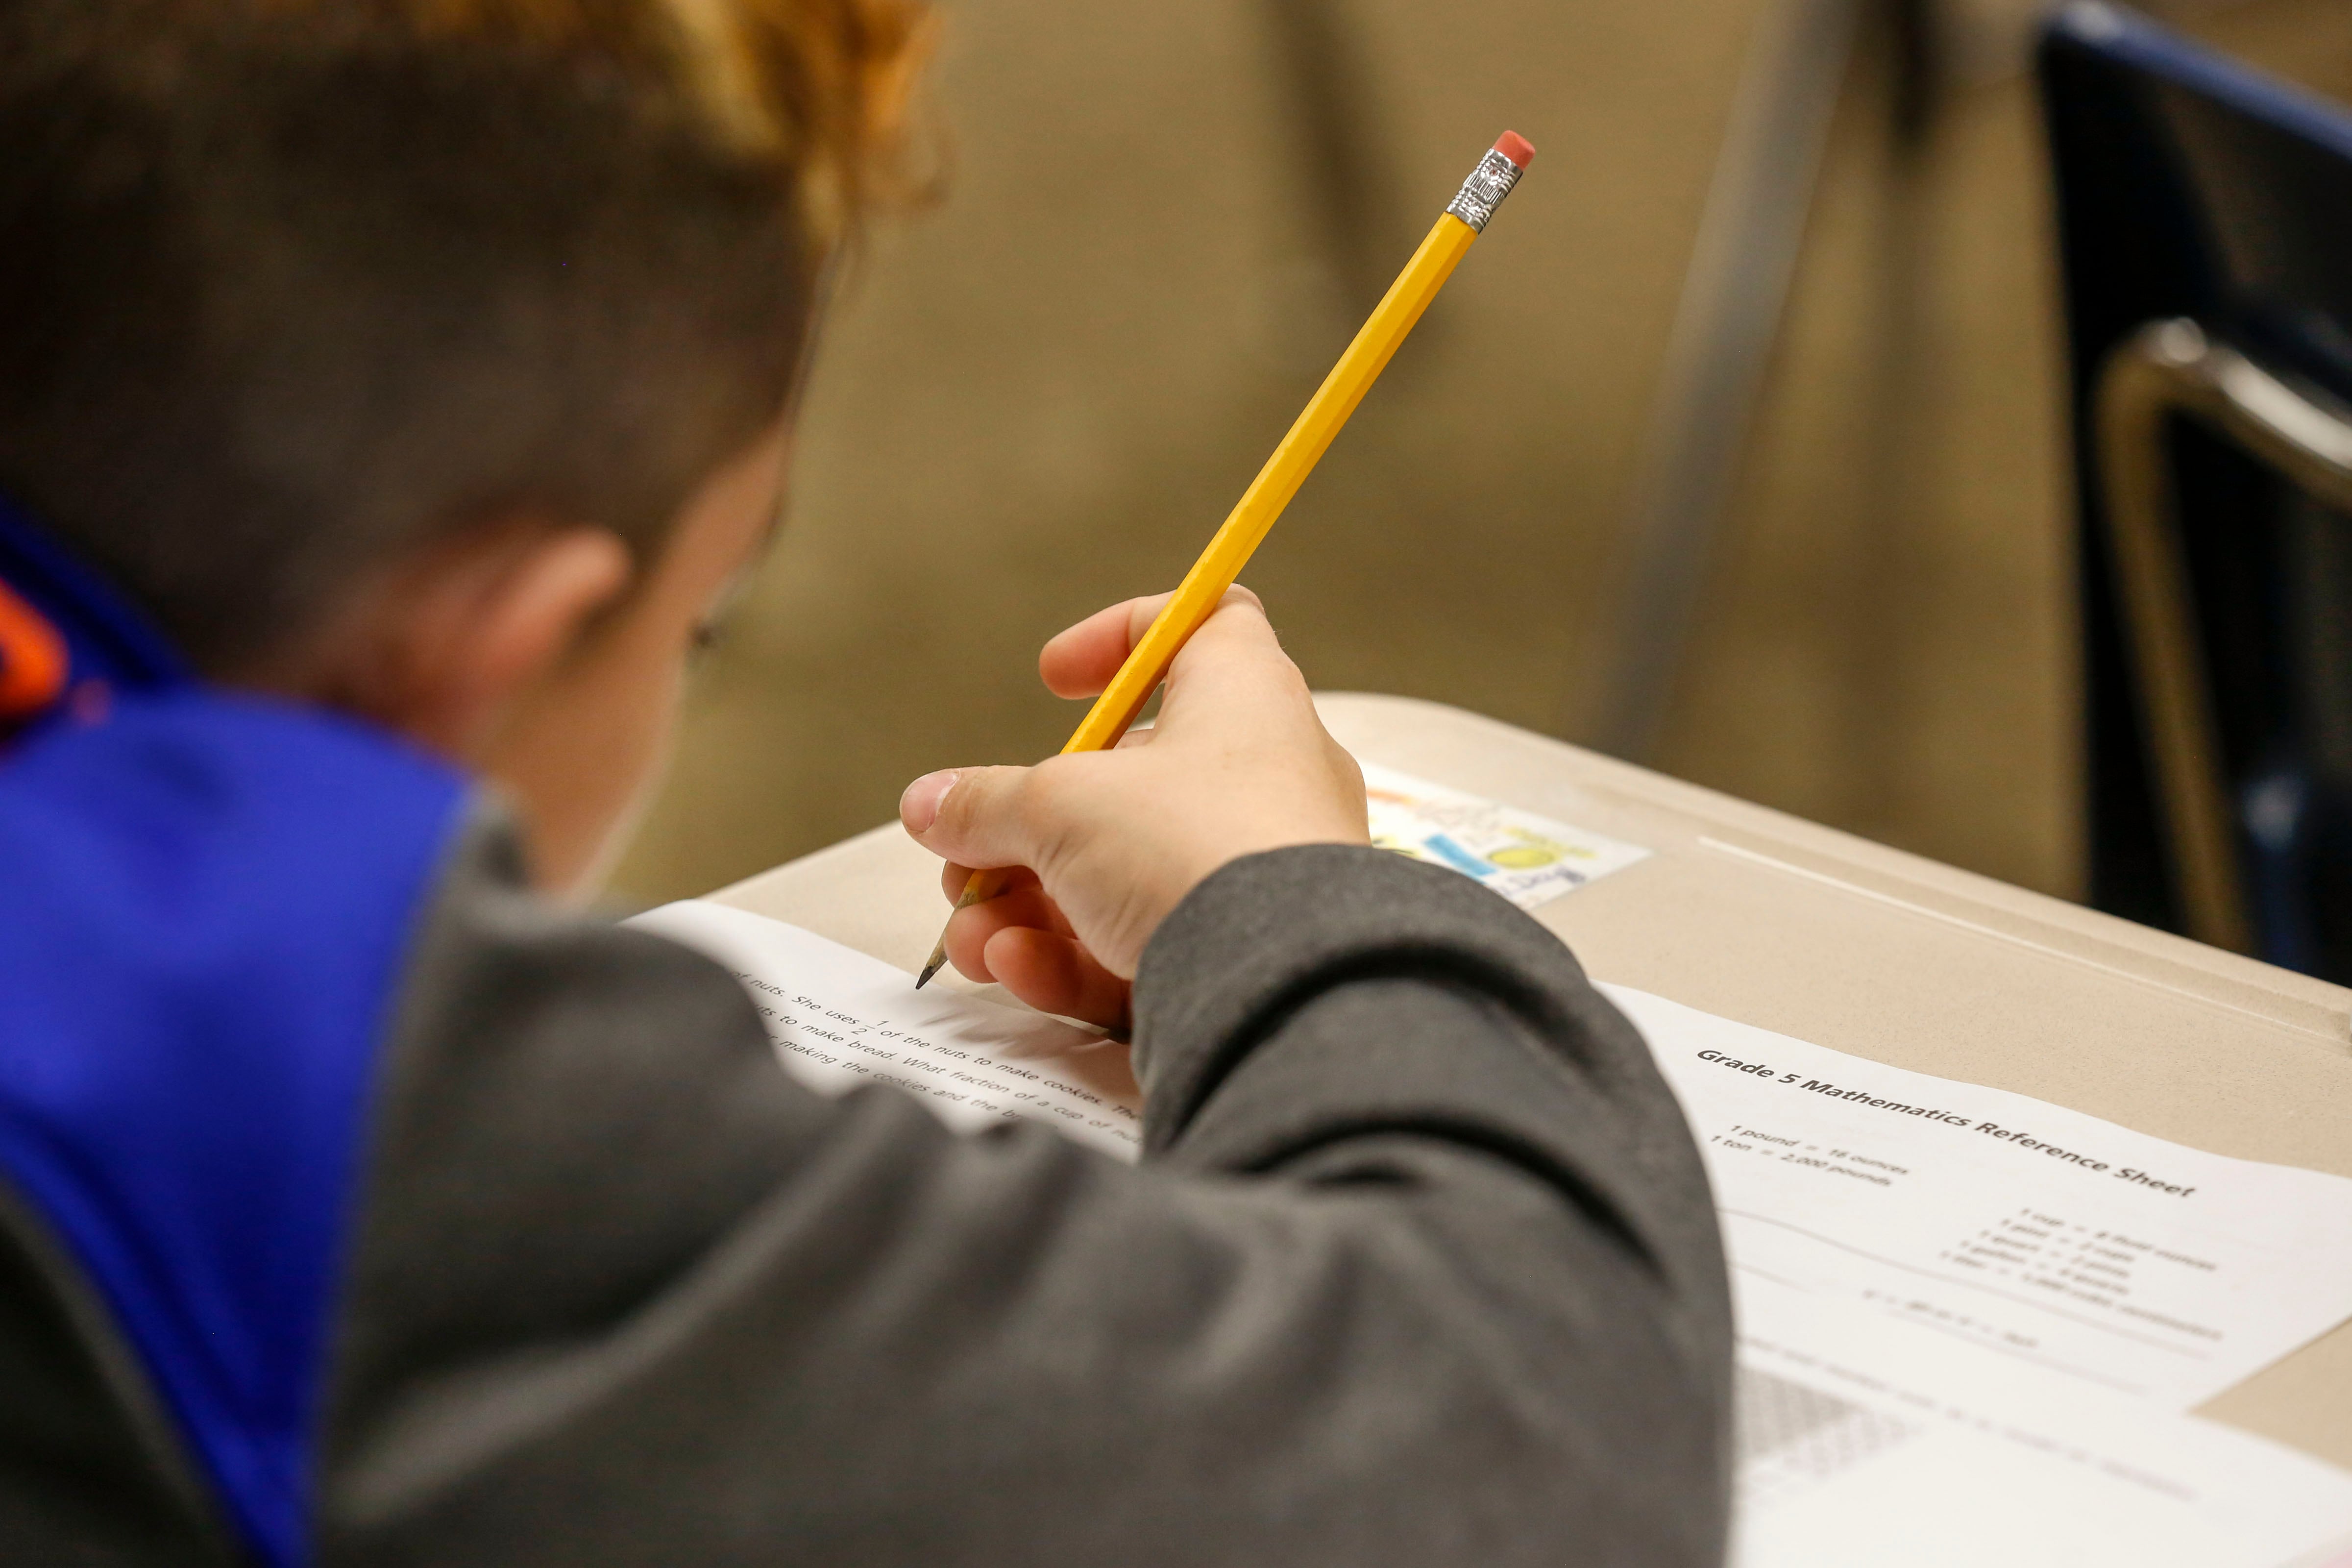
[1517,149]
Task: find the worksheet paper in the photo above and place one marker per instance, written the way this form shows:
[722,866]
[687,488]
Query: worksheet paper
[1886,1416]
[2061,1241]
[2049,1236]
[840,1019]
[1869,1442]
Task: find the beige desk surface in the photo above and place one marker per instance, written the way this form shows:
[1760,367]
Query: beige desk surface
[1774,921]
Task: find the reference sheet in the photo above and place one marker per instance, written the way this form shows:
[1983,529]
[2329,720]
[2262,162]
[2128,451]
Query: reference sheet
[1965,1332]
[1528,859]
[2041,1234]
[1865,1441]
[840,1019]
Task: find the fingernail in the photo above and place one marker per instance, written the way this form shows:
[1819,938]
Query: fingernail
[920,807]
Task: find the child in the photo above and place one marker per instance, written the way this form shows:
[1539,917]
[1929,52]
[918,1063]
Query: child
[389,390]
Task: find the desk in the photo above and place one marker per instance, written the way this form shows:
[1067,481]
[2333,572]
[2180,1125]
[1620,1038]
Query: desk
[1799,928]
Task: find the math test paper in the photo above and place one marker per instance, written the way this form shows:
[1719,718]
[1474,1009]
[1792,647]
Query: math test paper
[1944,1294]
[2048,1235]
[840,1019]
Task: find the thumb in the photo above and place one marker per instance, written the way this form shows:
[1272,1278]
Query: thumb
[971,817]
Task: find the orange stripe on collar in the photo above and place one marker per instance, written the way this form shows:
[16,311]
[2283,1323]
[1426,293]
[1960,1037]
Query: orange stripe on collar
[32,658]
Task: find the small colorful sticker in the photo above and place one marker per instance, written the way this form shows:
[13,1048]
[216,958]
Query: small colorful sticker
[1528,858]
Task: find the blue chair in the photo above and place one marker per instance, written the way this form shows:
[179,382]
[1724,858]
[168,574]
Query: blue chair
[2205,219]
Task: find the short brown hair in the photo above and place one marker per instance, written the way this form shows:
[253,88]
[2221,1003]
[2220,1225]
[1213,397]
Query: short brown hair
[287,286]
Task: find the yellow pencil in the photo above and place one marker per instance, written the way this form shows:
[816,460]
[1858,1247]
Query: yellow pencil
[1197,596]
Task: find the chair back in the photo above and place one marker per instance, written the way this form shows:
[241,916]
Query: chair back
[2205,226]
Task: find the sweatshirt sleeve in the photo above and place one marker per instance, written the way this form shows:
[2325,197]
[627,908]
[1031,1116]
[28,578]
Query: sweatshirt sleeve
[1419,1268]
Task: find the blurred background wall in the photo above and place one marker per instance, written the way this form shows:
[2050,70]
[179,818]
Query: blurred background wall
[1162,222]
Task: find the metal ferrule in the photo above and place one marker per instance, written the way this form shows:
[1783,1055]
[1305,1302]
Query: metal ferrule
[1483,191]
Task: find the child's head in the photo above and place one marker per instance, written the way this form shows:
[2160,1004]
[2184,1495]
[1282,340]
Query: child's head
[429,357]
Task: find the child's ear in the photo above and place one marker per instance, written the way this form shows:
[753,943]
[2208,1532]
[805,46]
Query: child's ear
[465,630]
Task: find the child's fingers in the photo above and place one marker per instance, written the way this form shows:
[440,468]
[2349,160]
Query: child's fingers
[1055,974]
[970,931]
[953,879]
[975,816]
[1234,668]
[1080,661]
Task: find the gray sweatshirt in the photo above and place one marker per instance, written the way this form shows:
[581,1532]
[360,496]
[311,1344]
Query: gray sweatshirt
[1419,1268]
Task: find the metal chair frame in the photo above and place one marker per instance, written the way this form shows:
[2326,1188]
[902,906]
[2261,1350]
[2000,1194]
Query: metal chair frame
[1726,324]
[2169,369]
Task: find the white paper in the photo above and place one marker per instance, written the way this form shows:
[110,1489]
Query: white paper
[840,1019]
[1528,859]
[1867,1442]
[1867,1437]
[2004,1221]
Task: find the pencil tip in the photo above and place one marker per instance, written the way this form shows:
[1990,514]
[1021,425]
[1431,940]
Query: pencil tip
[928,969]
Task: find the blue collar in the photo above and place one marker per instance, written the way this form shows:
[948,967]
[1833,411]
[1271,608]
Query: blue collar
[68,639]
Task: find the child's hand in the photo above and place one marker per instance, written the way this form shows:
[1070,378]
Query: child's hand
[1103,845]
